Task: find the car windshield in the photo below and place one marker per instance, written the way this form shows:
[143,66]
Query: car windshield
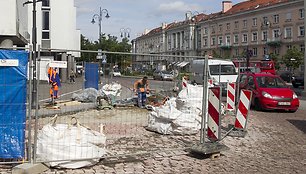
[270,82]
[166,72]
[225,70]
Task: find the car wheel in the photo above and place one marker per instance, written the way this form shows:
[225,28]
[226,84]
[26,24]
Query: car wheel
[295,85]
[257,105]
[292,111]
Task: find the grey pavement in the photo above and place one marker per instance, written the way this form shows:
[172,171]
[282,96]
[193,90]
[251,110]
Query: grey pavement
[275,143]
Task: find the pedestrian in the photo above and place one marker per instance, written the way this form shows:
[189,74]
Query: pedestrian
[141,87]
[72,76]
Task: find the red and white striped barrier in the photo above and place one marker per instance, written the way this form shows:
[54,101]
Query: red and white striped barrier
[184,83]
[243,109]
[230,99]
[214,119]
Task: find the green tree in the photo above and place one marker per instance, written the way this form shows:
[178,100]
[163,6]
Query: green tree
[293,58]
[108,43]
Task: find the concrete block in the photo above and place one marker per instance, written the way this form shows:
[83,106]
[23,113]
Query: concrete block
[28,168]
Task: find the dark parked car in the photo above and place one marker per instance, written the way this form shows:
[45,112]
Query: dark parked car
[286,76]
[297,81]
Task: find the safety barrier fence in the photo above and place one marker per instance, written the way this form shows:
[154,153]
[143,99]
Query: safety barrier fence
[94,114]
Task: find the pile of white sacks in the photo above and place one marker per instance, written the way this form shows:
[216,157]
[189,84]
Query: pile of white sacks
[181,115]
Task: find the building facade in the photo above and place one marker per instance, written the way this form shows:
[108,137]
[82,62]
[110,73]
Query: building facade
[14,24]
[262,26]
[55,30]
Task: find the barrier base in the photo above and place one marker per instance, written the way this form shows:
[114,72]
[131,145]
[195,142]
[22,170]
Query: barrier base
[237,133]
[208,148]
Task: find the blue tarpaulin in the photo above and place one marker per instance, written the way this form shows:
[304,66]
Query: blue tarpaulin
[91,75]
[13,93]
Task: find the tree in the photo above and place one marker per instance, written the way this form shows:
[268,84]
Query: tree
[108,43]
[293,58]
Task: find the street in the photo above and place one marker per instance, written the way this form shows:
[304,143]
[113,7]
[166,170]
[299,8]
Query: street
[275,142]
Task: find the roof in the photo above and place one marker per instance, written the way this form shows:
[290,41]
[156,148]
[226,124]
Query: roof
[253,4]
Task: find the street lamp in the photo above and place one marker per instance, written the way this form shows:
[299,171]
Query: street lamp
[99,18]
[125,32]
[191,15]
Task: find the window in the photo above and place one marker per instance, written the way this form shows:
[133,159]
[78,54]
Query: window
[265,51]
[254,36]
[46,20]
[245,23]
[205,42]
[289,47]
[45,24]
[288,32]
[255,52]
[228,40]
[276,19]
[46,3]
[276,33]
[302,13]
[228,26]
[213,29]
[236,24]
[244,37]
[220,40]
[45,35]
[236,38]
[288,16]
[205,30]
[213,41]
[236,52]
[254,21]
[302,48]
[301,31]
[276,51]
[264,35]
[220,28]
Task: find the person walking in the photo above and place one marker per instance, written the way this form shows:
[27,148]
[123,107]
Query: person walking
[141,87]
[72,76]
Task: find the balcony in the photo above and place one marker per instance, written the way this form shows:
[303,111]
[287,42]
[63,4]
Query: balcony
[275,42]
[226,46]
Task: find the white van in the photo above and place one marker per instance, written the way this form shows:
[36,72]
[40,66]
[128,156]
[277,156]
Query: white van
[220,71]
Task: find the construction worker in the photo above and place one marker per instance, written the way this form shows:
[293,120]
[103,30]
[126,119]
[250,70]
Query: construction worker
[141,87]
[55,82]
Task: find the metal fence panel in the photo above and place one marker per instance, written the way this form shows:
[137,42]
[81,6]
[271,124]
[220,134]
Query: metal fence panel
[13,89]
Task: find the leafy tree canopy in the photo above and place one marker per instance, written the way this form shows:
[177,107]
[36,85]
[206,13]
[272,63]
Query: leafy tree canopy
[293,58]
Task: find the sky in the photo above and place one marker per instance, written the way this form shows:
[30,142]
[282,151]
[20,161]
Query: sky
[135,16]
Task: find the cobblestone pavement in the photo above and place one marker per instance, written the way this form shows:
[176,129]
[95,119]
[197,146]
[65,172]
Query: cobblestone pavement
[275,143]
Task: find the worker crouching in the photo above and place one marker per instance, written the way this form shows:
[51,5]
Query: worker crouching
[141,87]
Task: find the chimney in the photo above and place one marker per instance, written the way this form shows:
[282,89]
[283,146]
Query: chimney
[226,5]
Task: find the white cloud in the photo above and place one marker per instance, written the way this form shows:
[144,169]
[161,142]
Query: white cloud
[177,6]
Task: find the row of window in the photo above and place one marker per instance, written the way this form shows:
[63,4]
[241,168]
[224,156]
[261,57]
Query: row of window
[45,19]
[265,21]
[276,34]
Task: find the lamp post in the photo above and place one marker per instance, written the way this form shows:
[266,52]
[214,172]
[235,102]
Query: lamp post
[125,32]
[99,18]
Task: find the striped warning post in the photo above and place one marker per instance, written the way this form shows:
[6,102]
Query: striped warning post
[243,109]
[213,127]
[230,99]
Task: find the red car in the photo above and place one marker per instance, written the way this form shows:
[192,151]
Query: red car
[270,92]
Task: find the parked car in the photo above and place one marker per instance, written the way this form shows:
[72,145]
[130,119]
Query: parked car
[116,73]
[286,76]
[162,75]
[297,81]
[270,92]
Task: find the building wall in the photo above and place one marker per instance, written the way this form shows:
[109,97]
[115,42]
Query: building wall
[246,27]
[198,39]
[63,32]
[14,21]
